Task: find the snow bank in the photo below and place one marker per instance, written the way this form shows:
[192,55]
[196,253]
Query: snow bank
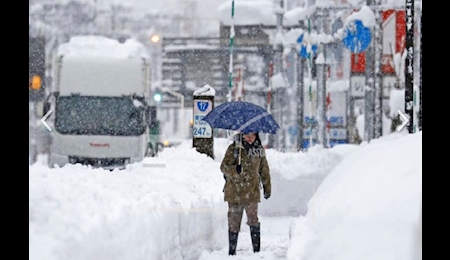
[367,207]
[142,212]
[166,207]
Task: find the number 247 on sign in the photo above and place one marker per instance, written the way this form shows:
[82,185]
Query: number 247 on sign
[199,131]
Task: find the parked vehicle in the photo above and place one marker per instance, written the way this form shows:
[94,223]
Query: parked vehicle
[100,103]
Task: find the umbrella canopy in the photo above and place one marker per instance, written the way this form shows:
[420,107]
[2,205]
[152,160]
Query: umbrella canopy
[243,117]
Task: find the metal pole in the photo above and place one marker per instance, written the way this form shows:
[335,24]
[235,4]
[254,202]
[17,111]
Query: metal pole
[378,49]
[369,90]
[321,85]
[300,101]
[420,70]
[32,142]
[369,95]
[271,138]
[277,94]
[321,96]
[311,121]
[230,68]
[409,64]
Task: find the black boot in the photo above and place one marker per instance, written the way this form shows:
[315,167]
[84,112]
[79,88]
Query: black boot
[255,232]
[232,242]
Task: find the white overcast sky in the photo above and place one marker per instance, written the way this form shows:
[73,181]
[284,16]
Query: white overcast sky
[170,6]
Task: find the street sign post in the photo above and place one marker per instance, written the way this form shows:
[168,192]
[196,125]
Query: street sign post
[202,133]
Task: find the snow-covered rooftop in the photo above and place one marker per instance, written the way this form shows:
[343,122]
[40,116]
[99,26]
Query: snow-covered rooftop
[293,16]
[247,13]
[100,46]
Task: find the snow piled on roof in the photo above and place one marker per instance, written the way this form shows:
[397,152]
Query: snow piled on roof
[365,15]
[293,16]
[100,46]
[248,13]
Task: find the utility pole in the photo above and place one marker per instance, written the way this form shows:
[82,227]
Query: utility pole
[378,49]
[409,64]
[369,90]
[32,142]
[300,100]
[321,99]
[420,70]
[230,66]
[321,83]
[276,95]
[271,139]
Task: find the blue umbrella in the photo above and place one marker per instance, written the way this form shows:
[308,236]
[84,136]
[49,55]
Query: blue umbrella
[243,117]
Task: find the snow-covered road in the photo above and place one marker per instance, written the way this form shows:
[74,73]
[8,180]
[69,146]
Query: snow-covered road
[274,241]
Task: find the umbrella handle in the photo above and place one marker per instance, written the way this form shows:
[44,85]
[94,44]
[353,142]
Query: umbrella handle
[240,135]
[239,157]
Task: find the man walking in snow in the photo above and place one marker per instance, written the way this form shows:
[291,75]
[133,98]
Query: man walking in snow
[245,167]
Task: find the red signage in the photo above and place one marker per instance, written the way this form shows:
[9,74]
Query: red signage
[394,32]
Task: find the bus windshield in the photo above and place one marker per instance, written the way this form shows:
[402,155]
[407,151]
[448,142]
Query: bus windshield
[88,115]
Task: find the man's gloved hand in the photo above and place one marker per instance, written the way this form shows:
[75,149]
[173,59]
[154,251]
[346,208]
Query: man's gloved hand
[239,168]
[266,195]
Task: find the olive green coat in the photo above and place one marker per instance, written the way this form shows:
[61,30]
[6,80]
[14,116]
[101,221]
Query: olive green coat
[245,187]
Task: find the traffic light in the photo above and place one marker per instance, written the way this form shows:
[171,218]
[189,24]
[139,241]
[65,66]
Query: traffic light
[36,82]
[36,69]
[157,96]
[36,88]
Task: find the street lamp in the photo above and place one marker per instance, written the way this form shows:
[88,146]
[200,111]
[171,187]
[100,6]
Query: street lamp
[177,94]
[155,50]
[155,38]
[157,96]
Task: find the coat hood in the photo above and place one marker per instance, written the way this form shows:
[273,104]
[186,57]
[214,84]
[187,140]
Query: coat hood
[239,139]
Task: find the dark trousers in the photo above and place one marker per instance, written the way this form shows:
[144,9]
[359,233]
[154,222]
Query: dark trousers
[235,212]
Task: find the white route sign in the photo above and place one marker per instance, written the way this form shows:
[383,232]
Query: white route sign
[201,128]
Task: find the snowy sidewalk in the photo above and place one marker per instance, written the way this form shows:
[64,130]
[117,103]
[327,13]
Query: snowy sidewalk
[274,241]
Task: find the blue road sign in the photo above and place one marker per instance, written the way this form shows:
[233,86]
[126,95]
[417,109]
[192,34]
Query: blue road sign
[304,53]
[303,48]
[357,37]
[202,106]
[300,38]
